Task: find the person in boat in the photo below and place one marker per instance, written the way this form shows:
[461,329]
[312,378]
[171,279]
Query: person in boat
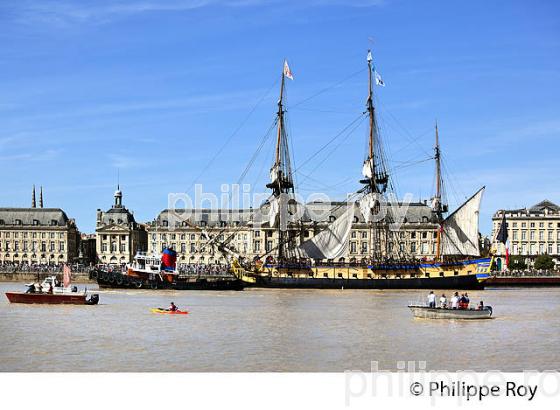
[455,301]
[30,288]
[481,305]
[432,300]
[443,301]
[172,307]
[467,300]
[50,290]
[463,303]
[38,288]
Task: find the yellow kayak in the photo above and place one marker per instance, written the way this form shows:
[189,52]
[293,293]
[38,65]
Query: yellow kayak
[169,312]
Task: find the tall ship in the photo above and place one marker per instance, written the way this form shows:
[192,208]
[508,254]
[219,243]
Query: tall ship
[297,262]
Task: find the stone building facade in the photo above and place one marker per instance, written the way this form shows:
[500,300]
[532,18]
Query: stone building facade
[118,235]
[417,236]
[37,235]
[531,232]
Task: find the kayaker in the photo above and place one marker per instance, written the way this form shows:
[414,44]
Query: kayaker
[172,307]
[432,299]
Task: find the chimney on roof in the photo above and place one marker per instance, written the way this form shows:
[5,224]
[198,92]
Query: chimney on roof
[41,198]
[33,203]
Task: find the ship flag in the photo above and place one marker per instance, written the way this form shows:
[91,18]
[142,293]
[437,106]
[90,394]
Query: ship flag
[378,80]
[67,275]
[502,236]
[287,71]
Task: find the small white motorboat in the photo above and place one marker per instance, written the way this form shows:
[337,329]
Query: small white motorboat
[426,312]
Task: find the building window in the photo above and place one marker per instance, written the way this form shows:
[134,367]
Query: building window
[541,235]
[257,246]
[257,234]
[550,249]
[54,222]
[523,235]
[43,246]
[413,247]
[103,247]
[364,235]
[353,235]
[365,247]
[412,235]
[61,247]
[268,246]
[541,248]
[352,247]
[514,235]
[532,235]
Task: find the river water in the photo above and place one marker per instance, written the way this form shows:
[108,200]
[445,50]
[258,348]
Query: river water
[278,330]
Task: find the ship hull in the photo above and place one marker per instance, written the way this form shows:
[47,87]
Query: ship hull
[463,282]
[116,280]
[46,298]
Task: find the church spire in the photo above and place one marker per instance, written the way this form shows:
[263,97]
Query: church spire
[41,197]
[33,203]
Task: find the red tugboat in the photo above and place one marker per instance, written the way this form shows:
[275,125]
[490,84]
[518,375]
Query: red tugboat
[51,292]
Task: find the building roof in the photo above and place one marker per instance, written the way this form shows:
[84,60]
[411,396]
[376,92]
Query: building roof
[321,212]
[543,205]
[33,216]
[541,208]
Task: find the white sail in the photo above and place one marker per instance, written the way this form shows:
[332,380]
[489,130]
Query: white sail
[273,210]
[367,203]
[460,229]
[274,173]
[333,241]
[367,170]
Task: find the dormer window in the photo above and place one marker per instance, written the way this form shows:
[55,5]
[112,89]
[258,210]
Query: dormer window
[332,218]
[54,222]
[202,223]
[18,222]
[35,222]
[120,221]
[2,222]
[165,222]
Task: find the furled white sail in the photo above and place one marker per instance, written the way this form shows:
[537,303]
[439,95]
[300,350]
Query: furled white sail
[460,229]
[332,242]
[367,203]
[367,169]
[274,173]
[273,210]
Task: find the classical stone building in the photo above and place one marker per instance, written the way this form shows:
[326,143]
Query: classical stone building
[37,235]
[531,232]
[416,237]
[118,235]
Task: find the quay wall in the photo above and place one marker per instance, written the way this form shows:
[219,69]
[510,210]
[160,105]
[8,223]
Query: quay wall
[79,277]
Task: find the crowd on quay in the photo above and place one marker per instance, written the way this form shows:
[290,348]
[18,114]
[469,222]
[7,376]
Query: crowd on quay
[24,267]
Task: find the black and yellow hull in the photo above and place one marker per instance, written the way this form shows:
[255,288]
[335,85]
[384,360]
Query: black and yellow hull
[459,275]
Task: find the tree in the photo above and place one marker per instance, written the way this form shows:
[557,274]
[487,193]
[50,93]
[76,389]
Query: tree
[517,263]
[544,262]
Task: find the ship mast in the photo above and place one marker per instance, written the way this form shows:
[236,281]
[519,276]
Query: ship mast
[376,178]
[438,206]
[281,181]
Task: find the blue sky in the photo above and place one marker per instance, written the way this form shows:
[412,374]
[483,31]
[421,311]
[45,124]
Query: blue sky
[155,89]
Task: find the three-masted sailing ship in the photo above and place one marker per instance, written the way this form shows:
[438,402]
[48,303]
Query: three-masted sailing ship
[298,263]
